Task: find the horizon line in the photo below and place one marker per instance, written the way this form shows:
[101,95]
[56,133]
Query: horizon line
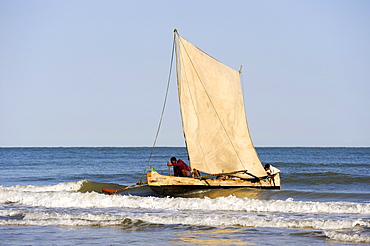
[165,146]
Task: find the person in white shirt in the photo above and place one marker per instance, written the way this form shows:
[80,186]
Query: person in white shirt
[272,171]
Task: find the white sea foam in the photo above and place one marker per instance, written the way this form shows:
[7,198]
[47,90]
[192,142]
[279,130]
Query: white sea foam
[117,218]
[62,205]
[64,196]
[68,186]
[348,237]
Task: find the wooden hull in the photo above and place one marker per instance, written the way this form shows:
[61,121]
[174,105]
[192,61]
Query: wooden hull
[171,185]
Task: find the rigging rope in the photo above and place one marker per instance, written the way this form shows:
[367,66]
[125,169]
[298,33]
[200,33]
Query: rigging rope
[163,108]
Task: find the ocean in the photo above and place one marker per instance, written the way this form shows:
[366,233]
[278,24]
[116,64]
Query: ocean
[52,196]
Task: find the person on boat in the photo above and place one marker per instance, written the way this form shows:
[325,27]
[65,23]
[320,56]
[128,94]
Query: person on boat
[179,167]
[272,171]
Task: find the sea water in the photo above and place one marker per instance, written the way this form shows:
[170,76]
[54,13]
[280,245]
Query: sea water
[52,196]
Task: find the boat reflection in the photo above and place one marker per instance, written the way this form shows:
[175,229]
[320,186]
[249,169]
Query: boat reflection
[224,236]
[238,192]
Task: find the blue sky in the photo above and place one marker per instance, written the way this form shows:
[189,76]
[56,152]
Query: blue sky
[94,73]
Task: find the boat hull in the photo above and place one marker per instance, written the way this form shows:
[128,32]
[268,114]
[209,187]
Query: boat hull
[171,185]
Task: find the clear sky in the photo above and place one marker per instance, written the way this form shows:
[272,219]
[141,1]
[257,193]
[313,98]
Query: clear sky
[94,73]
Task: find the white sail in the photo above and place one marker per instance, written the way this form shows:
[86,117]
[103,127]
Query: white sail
[213,115]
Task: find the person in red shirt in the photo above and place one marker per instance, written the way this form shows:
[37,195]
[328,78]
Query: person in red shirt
[179,167]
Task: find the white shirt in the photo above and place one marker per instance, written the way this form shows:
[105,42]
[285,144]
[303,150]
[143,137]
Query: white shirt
[272,170]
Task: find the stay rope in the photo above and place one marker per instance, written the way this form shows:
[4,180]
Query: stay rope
[163,109]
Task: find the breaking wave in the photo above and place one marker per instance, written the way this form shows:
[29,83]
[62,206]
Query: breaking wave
[66,195]
[81,204]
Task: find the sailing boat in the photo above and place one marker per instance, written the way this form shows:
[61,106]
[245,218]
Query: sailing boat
[215,128]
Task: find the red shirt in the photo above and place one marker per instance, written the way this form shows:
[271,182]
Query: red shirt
[179,166]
